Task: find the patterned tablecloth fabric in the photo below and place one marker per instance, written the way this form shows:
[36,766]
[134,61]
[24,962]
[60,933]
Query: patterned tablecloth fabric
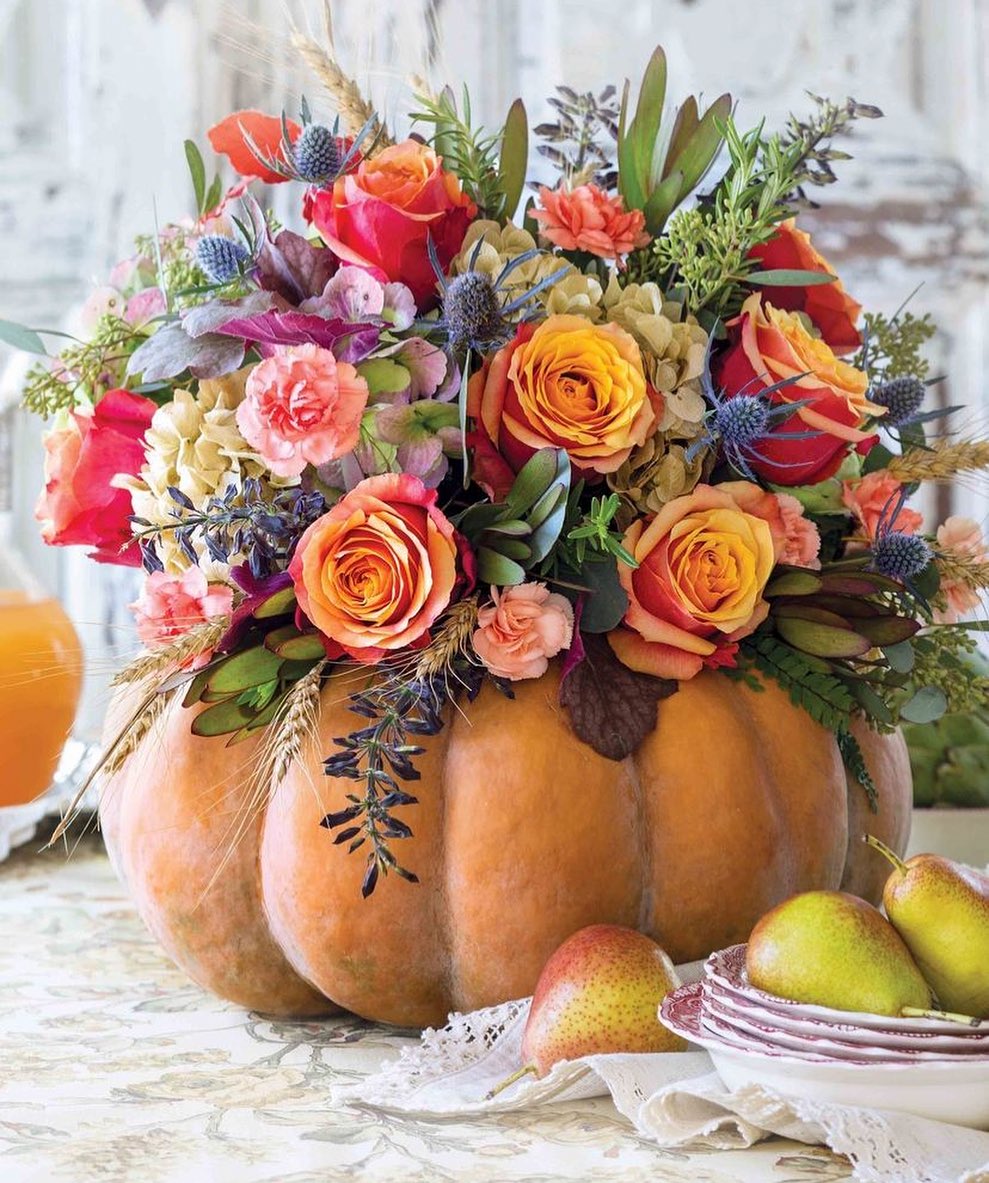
[114,1068]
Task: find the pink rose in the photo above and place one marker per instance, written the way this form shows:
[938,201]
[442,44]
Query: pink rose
[961,537]
[301,406]
[524,627]
[170,605]
[79,505]
[587,219]
[873,499]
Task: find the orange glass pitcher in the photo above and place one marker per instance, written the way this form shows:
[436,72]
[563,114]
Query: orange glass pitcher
[40,683]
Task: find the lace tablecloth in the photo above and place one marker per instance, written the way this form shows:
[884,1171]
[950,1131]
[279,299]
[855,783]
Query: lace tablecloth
[115,1069]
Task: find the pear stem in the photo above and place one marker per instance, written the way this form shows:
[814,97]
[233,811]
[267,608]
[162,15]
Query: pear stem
[884,850]
[913,1012]
[509,1080]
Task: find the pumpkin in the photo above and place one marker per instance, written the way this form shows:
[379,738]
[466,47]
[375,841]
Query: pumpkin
[522,835]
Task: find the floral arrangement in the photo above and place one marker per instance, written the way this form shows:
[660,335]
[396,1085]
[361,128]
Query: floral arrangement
[628,424]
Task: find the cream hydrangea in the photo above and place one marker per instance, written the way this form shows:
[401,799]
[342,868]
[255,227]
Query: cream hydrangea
[194,445]
[576,293]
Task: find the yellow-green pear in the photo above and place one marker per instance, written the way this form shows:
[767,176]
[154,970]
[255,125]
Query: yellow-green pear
[941,910]
[828,948]
[599,992]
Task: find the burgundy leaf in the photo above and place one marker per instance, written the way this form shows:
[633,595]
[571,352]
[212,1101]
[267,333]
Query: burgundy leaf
[611,707]
[349,342]
[311,266]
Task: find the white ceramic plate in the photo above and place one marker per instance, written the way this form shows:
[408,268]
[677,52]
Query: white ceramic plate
[954,1090]
[726,969]
[968,1042]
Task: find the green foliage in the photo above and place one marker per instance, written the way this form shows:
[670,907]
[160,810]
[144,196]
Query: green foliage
[821,694]
[594,532]
[854,761]
[515,535]
[655,174]
[943,659]
[809,141]
[207,199]
[892,345]
[86,369]
[491,167]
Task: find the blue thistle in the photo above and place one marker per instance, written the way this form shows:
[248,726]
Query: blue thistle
[316,154]
[742,421]
[900,556]
[902,398]
[472,313]
[220,258]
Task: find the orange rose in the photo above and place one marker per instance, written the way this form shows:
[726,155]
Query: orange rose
[385,212]
[769,344]
[703,565]
[567,384]
[828,305]
[375,572]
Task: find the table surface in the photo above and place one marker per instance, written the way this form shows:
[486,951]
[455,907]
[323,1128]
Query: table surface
[116,1069]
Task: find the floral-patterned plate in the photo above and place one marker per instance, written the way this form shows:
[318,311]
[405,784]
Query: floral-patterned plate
[725,969]
[953,1090]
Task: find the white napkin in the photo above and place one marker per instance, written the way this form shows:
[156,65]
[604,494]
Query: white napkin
[675,1099]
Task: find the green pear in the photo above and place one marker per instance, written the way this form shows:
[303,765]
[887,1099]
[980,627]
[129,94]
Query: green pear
[828,948]
[599,992]
[941,910]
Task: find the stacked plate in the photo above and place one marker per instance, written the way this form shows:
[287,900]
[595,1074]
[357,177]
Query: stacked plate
[936,1068]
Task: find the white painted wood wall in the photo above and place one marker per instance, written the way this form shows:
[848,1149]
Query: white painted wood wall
[96,97]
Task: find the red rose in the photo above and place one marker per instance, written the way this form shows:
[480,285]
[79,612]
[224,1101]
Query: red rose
[768,345]
[80,506]
[828,305]
[229,137]
[384,213]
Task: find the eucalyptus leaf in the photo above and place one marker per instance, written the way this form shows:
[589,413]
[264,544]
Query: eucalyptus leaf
[606,602]
[21,337]
[927,705]
[900,657]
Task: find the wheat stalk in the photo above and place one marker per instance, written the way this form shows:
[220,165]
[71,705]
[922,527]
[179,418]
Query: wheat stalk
[298,721]
[967,569]
[942,461]
[451,639]
[354,109]
[131,737]
[192,644]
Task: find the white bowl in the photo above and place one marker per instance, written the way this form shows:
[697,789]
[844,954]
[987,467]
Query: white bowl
[955,1090]
[726,969]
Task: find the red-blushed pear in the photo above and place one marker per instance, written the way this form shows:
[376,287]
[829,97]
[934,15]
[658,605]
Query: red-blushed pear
[828,948]
[599,992]
[941,910]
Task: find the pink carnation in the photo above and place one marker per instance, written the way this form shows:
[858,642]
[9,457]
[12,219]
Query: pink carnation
[873,499]
[170,605]
[587,219]
[962,537]
[524,627]
[301,406]
[801,540]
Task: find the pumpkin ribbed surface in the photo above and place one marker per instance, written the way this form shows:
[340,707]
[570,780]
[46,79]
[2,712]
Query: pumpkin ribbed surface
[522,835]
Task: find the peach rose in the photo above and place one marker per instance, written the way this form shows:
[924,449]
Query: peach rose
[962,537]
[828,305]
[796,538]
[767,345]
[873,498]
[375,572]
[170,605]
[567,384]
[384,214]
[521,630]
[587,219]
[703,565]
[301,406]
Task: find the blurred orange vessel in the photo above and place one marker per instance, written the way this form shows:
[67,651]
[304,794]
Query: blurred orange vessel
[40,683]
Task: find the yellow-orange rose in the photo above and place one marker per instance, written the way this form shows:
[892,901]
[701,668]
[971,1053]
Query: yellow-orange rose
[703,565]
[375,572]
[566,384]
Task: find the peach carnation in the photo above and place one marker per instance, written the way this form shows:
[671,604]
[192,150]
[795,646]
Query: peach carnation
[796,538]
[301,406]
[522,629]
[587,219]
[873,499]
[170,605]
[961,537]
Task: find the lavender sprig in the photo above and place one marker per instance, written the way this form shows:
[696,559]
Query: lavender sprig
[240,521]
